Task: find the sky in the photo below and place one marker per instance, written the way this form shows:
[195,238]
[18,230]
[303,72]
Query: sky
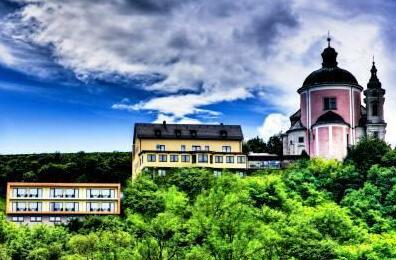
[75,75]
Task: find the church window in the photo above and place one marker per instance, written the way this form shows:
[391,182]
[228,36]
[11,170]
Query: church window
[374,109]
[329,103]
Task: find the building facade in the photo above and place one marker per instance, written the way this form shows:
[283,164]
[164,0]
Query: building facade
[331,117]
[30,203]
[160,147]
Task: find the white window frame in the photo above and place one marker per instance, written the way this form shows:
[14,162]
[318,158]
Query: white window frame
[185,158]
[151,157]
[230,157]
[219,159]
[226,149]
[160,147]
[241,159]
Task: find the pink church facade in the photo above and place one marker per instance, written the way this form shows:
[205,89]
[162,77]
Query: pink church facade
[331,117]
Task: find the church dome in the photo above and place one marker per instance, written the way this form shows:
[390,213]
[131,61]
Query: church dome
[330,73]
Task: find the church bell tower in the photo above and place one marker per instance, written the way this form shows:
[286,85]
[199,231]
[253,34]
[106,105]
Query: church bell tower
[374,100]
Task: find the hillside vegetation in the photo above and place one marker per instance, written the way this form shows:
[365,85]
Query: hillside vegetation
[315,209]
[67,167]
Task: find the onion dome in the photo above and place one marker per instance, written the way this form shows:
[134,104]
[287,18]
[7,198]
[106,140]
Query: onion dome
[374,81]
[330,118]
[330,73]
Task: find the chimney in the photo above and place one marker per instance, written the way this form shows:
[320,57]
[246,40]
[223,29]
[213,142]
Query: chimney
[164,123]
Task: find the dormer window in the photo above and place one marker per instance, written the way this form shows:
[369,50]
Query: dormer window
[329,103]
[157,133]
[178,133]
[223,133]
[193,133]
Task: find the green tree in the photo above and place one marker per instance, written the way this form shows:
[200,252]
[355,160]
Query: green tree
[256,145]
[142,196]
[368,152]
[365,205]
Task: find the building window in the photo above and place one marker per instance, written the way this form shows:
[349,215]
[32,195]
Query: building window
[183,148]
[160,147]
[107,207]
[161,172]
[35,206]
[163,157]
[376,134]
[178,133]
[174,158]
[35,219]
[100,193]
[301,139]
[56,206]
[17,219]
[218,159]
[226,149]
[196,148]
[26,206]
[374,109]
[151,158]
[241,159]
[100,207]
[63,193]
[229,159]
[202,158]
[55,219]
[185,158]
[329,103]
[217,173]
[71,193]
[71,206]
[207,147]
[27,192]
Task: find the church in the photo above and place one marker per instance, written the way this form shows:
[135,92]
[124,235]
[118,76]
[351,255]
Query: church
[331,117]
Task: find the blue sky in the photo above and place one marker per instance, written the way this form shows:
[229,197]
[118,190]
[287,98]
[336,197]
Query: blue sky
[76,75]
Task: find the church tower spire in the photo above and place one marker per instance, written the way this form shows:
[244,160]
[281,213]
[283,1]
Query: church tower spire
[329,55]
[374,99]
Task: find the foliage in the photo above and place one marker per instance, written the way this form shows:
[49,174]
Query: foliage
[368,152]
[71,167]
[274,145]
[315,209]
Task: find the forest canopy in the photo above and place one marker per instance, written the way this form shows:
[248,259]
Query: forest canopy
[315,209]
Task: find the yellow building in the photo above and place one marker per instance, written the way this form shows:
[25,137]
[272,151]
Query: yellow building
[164,146]
[29,203]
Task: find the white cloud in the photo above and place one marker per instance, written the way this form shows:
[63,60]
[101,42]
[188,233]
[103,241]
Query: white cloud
[5,56]
[208,51]
[273,124]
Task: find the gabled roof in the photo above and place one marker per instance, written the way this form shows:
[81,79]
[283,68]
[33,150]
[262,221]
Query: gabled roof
[295,117]
[296,126]
[187,131]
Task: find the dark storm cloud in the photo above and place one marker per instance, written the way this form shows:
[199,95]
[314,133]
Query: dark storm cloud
[264,30]
[153,6]
[7,7]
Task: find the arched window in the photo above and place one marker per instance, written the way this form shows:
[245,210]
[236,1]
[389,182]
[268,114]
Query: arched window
[374,109]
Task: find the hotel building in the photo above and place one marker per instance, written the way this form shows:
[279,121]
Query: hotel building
[160,147]
[29,203]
